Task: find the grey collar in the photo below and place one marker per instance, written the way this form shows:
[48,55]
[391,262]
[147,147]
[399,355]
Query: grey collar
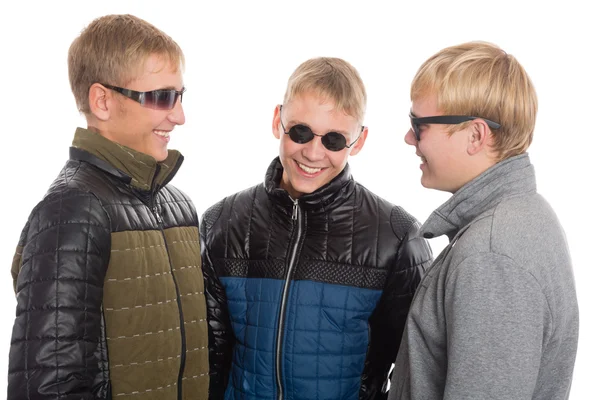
[510,177]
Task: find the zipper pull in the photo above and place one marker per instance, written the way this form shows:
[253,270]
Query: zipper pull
[157,214]
[295,210]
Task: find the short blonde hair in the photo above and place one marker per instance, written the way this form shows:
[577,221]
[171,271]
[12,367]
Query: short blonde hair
[112,49]
[481,79]
[332,78]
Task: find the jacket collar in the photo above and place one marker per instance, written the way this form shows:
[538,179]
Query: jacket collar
[138,169]
[322,199]
[510,177]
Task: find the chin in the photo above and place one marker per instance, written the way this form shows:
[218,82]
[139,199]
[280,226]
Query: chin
[305,189]
[160,157]
[428,184]
[302,190]
[424,183]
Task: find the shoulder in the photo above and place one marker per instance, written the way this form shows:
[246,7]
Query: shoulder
[230,204]
[400,221]
[78,190]
[79,176]
[530,211]
[521,228]
[63,218]
[176,198]
[175,194]
[517,224]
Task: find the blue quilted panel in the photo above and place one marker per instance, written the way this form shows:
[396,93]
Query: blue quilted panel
[325,340]
[253,307]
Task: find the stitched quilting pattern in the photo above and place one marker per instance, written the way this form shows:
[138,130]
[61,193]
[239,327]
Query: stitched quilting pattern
[326,336]
[142,305]
[59,256]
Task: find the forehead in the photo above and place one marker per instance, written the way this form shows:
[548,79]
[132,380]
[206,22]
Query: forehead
[425,106]
[313,103]
[319,113]
[157,72]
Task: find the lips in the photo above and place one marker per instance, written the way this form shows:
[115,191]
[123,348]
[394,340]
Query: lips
[164,134]
[308,171]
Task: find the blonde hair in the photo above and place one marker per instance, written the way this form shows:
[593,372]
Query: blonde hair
[112,49]
[331,78]
[482,80]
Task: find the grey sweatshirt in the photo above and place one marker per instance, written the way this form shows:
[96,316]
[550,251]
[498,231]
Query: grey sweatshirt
[496,315]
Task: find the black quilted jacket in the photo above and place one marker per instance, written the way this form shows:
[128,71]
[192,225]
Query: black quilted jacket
[271,254]
[110,296]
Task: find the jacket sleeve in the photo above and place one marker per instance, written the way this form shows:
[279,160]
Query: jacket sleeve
[387,322]
[220,333]
[495,316]
[58,274]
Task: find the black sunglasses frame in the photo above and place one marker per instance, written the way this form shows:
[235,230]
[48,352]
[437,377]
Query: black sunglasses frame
[445,120]
[324,141]
[150,99]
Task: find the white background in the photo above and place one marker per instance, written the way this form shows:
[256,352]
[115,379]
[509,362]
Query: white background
[239,56]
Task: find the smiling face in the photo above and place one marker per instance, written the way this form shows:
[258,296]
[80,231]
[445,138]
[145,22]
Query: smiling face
[309,166]
[140,128]
[446,164]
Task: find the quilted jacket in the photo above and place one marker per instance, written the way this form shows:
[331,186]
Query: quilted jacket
[110,293]
[312,294]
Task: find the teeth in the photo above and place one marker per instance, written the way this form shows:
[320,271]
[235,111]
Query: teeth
[162,133]
[308,170]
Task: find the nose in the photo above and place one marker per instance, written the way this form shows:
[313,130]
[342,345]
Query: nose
[177,116]
[314,150]
[410,138]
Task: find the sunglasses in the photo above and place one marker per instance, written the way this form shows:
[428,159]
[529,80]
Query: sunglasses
[301,134]
[446,120]
[162,99]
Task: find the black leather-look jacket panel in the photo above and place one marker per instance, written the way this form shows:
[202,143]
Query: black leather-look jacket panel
[57,337]
[220,335]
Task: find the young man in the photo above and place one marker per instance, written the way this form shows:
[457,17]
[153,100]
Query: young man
[496,315]
[317,272]
[110,295]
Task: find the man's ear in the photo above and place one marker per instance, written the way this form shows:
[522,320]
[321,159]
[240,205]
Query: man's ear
[360,142]
[277,121]
[480,137]
[100,99]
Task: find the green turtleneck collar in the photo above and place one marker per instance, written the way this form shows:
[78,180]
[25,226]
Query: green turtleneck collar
[141,167]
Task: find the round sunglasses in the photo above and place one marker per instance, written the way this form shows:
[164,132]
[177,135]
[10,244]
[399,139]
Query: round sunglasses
[161,99]
[333,141]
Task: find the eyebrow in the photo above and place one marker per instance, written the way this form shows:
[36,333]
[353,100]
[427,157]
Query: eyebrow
[293,122]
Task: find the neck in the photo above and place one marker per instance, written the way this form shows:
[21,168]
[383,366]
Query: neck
[286,185]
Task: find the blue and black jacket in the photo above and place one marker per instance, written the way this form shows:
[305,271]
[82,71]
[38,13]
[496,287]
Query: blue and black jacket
[312,294]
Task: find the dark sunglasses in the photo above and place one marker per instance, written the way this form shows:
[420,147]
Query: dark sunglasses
[162,99]
[446,120]
[301,134]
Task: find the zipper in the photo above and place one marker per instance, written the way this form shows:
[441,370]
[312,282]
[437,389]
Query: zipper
[297,221]
[157,215]
[156,212]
